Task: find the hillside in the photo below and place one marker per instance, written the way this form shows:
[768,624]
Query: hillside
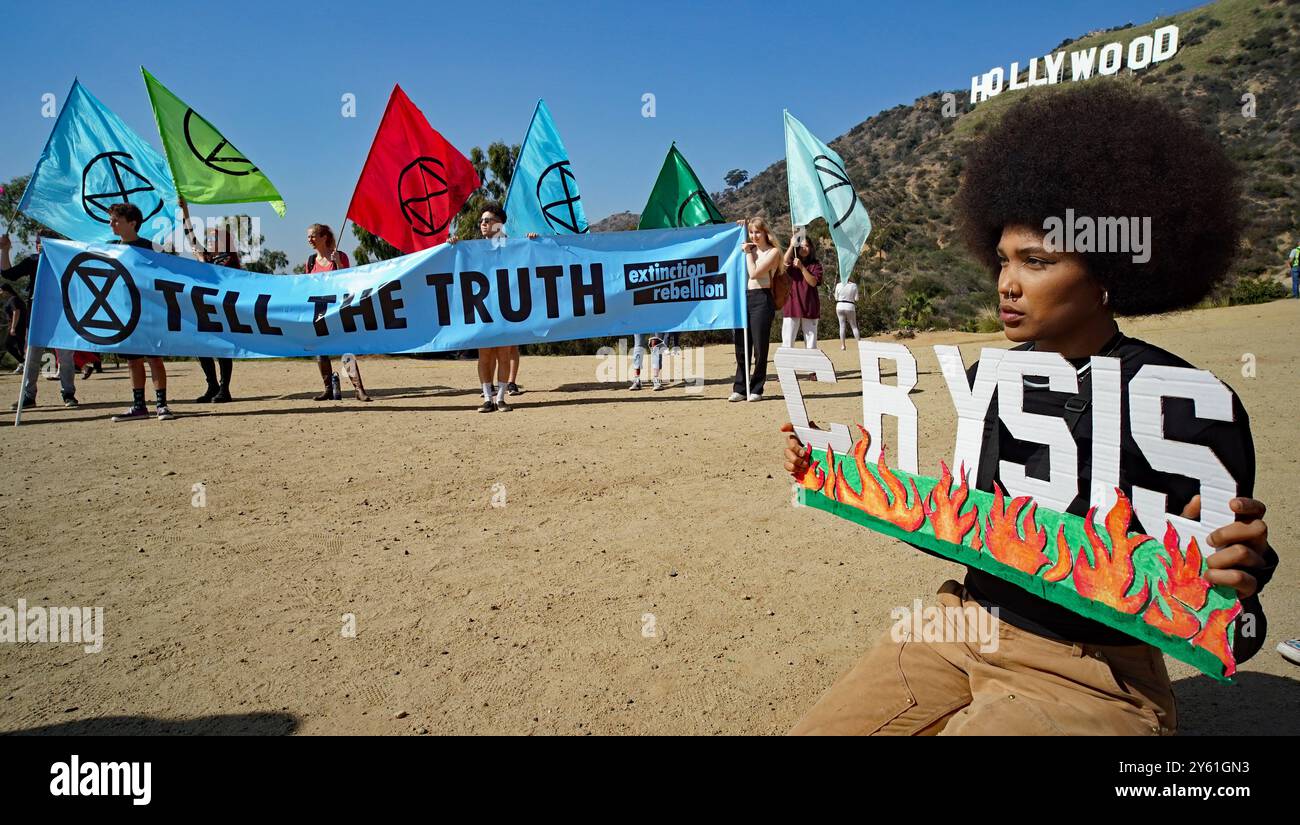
[906,161]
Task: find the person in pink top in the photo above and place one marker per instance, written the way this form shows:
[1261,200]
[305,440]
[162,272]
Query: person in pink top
[328,258]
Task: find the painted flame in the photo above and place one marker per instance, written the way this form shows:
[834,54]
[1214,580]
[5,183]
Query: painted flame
[1185,570]
[1004,540]
[942,508]
[812,477]
[1064,558]
[1214,636]
[1109,576]
[873,499]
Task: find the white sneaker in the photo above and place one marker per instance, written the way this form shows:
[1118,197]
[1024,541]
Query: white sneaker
[1290,650]
[735,396]
[636,384]
[753,396]
[659,385]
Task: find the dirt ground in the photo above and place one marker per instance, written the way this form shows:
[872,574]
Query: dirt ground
[596,561]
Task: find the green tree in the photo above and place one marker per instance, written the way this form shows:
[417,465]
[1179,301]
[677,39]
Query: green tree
[736,178]
[269,262]
[494,168]
[371,248]
[19,227]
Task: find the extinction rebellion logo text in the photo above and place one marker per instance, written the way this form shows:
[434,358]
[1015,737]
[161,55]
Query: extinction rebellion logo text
[662,282]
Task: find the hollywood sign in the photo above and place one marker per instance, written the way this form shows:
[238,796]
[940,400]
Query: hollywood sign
[1140,52]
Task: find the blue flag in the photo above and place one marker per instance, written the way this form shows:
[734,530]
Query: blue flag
[543,196]
[91,161]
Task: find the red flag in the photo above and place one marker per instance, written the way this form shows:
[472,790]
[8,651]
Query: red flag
[414,181]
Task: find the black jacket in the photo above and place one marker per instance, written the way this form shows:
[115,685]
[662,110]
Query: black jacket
[1230,441]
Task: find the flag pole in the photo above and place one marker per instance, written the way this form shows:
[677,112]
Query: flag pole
[27,358]
[745,326]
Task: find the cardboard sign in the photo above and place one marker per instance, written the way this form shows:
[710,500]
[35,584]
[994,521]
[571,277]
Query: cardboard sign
[1096,566]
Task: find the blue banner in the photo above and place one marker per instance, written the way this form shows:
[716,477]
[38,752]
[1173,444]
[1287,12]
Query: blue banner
[91,161]
[543,195]
[483,293]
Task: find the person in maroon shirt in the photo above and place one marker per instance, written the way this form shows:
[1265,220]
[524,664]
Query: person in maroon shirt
[803,308]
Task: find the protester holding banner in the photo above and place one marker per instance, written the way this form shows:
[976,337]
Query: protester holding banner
[26,268]
[15,309]
[503,360]
[221,250]
[803,308]
[492,224]
[1102,149]
[656,359]
[329,258]
[125,219]
[763,263]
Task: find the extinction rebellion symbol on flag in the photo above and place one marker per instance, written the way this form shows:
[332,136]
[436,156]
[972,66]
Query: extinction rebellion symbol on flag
[115,181]
[417,185]
[701,197]
[838,178]
[558,175]
[231,163]
[103,277]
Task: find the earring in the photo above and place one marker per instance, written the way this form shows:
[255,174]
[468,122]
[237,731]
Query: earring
[1105,297]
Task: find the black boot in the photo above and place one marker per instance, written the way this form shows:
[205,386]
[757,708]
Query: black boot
[223,393]
[209,368]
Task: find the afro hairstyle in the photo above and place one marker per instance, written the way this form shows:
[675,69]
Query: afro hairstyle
[1106,150]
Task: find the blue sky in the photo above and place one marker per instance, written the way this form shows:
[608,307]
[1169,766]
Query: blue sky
[270,75]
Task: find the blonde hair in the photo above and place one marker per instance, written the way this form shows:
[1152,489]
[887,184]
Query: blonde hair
[761,225]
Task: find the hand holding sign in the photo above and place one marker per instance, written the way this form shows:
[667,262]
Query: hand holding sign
[1238,547]
[797,456]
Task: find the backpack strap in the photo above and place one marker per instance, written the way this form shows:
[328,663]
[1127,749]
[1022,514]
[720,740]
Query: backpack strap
[1077,404]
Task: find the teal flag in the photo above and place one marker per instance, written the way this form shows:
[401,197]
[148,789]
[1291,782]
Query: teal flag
[820,188]
[91,161]
[543,196]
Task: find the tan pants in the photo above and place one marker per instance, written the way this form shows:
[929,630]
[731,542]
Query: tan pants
[1029,685]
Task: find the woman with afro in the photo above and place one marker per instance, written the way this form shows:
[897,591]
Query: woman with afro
[1101,150]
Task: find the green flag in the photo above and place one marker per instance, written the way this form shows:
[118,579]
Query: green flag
[207,168]
[678,198]
[820,188]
